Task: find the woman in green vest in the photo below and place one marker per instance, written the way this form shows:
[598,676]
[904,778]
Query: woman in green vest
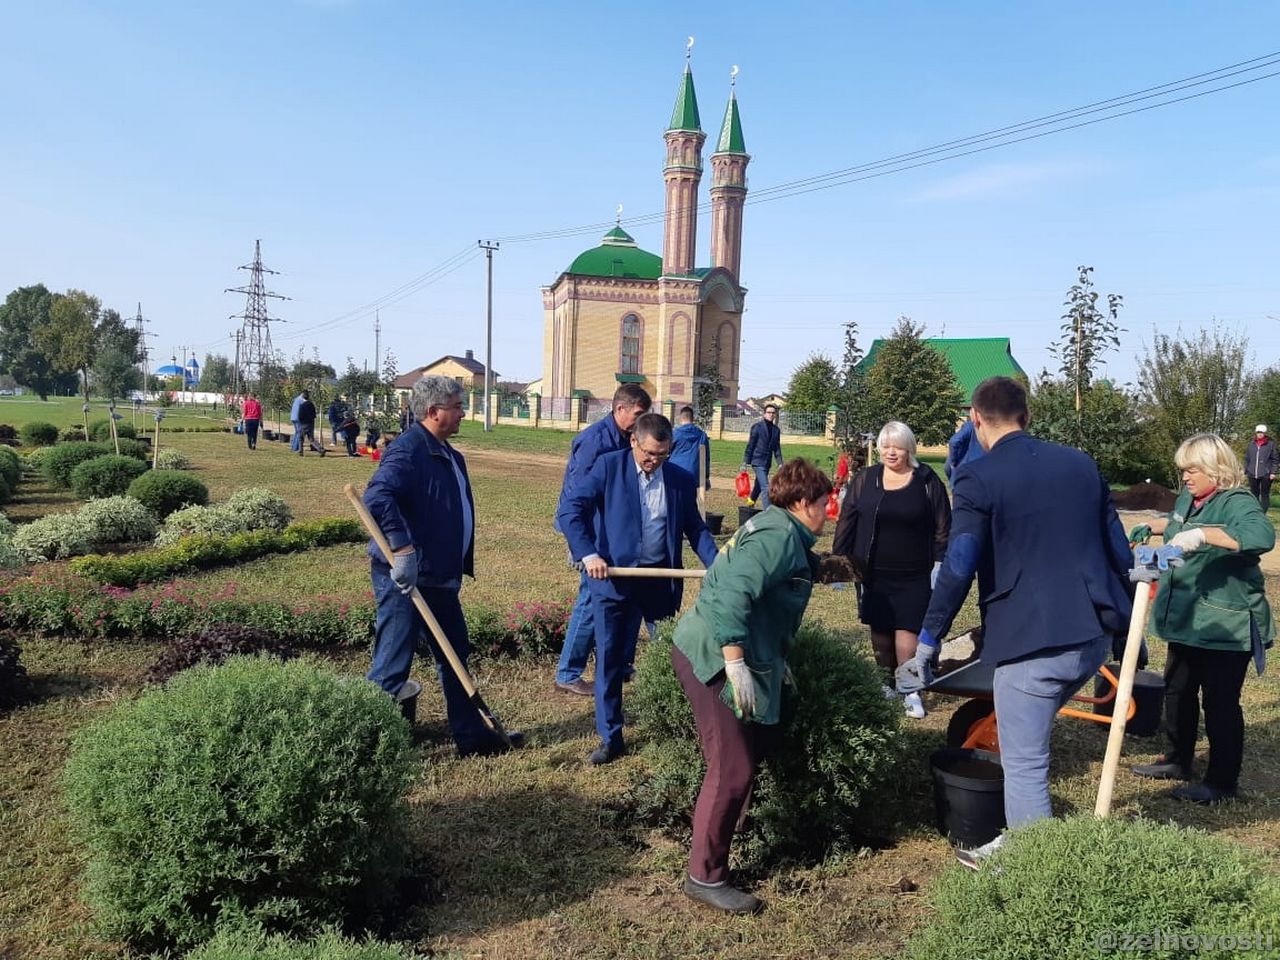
[1213,613]
[730,655]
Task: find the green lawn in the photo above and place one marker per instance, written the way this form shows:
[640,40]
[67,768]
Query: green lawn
[65,411]
[535,854]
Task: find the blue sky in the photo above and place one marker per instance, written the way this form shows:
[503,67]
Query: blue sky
[146,145]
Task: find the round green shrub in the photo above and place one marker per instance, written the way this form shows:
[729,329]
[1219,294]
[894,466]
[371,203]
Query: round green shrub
[39,434]
[65,457]
[105,476]
[101,430]
[258,789]
[35,459]
[5,492]
[10,467]
[1061,887]
[120,519]
[70,434]
[55,536]
[254,508]
[254,944]
[164,491]
[171,459]
[833,757]
[136,449]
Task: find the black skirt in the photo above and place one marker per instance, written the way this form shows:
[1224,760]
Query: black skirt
[894,601]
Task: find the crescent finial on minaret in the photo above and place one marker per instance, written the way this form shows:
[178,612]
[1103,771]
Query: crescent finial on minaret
[688,50]
[619,214]
[733,77]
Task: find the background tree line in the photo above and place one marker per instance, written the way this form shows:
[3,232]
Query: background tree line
[1187,384]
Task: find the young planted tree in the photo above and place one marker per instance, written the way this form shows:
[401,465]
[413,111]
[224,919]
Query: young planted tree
[1108,427]
[855,415]
[707,384]
[1088,333]
[913,382]
[1194,384]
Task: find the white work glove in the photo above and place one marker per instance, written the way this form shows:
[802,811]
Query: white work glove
[404,570]
[933,575]
[917,673]
[744,689]
[1190,539]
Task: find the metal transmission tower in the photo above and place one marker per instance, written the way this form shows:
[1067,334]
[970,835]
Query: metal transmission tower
[256,352]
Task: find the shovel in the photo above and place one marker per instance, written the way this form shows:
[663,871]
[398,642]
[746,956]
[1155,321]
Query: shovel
[1146,571]
[460,671]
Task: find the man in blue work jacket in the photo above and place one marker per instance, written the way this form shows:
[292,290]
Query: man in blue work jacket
[420,496]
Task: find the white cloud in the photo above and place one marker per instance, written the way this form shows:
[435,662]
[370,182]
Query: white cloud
[1000,180]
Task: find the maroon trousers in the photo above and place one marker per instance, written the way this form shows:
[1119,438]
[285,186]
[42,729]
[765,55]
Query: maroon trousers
[730,748]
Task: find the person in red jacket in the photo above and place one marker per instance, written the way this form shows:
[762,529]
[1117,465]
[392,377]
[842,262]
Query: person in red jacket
[252,420]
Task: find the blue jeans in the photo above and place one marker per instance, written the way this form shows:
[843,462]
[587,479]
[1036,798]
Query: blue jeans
[400,630]
[1028,695]
[295,441]
[760,492]
[580,639]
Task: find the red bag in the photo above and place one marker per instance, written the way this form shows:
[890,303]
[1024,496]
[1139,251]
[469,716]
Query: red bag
[743,485]
[833,505]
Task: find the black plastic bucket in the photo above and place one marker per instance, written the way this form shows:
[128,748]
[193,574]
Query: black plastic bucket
[968,795]
[745,514]
[407,699]
[714,522]
[1148,697]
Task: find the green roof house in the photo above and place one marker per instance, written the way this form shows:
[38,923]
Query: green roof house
[972,359]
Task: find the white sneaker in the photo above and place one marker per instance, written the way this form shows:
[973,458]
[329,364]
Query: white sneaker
[974,858]
[914,706]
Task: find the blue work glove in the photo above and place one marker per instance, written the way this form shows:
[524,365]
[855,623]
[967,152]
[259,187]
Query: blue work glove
[933,575]
[404,570]
[917,673]
[1140,534]
[1159,558]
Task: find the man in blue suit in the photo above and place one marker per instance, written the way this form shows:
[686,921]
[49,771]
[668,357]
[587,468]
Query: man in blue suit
[631,510]
[604,436]
[1036,523]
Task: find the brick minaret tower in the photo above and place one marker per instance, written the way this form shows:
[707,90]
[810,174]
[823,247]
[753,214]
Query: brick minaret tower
[682,173]
[728,188]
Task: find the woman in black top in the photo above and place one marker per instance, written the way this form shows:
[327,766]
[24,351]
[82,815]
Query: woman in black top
[893,529]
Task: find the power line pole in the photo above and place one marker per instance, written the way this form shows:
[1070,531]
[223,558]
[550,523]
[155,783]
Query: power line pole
[258,353]
[377,342]
[237,336]
[488,246]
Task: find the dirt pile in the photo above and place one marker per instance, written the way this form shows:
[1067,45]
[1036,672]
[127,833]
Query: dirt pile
[1145,496]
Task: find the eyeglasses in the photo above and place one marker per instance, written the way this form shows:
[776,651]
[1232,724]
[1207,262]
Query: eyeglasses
[651,455]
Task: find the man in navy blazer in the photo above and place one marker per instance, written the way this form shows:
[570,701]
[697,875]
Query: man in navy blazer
[1036,523]
[631,510]
[421,497]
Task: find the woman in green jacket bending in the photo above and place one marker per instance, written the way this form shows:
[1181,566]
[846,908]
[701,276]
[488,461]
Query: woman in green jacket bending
[1213,613]
[730,655]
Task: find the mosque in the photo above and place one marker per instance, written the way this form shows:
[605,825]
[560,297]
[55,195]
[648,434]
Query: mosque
[620,314]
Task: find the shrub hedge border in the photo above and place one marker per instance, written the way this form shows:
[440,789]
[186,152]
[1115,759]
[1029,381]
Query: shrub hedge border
[205,551]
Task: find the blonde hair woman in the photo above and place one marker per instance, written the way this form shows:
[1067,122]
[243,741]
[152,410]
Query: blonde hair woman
[1213,613]
[893,529]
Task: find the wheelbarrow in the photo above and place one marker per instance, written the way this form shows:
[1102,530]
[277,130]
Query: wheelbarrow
[973,725]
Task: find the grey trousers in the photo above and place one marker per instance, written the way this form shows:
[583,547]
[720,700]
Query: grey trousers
[1029,694]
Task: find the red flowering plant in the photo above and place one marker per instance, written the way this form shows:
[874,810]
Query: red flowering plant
[535,628]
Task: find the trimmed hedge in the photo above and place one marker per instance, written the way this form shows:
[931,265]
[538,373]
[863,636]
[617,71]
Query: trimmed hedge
[164,491]
[37,433]
[65,457]
[58,536]
[1072,888]
[254,508]
[203,552]
[106,476]
[259,790]
[101,430]
[10,467]
[242,944]
[170,459]
[824,781]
